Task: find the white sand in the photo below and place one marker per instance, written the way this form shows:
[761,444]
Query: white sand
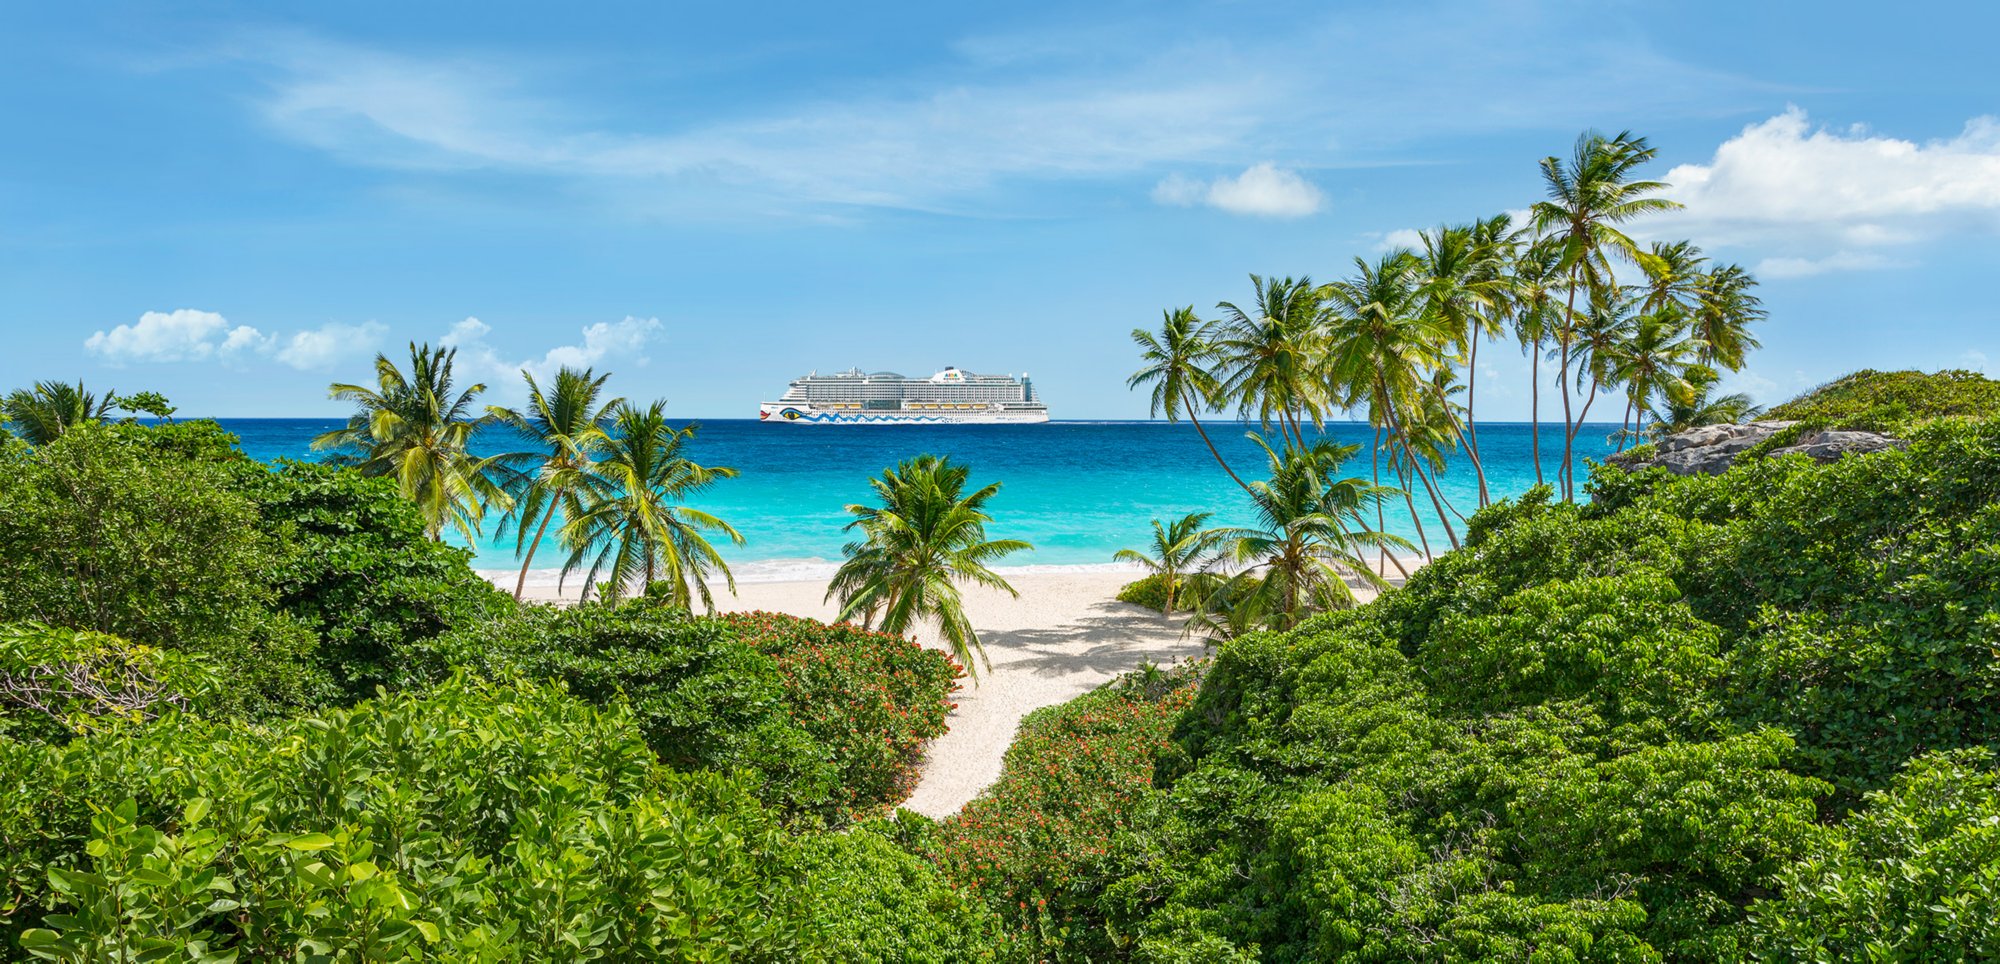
[1064,636]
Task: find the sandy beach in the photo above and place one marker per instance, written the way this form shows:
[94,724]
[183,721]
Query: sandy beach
[1065,635]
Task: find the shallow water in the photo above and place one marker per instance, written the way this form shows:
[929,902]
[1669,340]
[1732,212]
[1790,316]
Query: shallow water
[1079,491]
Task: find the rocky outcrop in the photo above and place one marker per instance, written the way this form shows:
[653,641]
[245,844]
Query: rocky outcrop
[1711,449]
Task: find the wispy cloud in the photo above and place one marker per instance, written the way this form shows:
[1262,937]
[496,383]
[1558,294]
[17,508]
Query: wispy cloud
[1086,102]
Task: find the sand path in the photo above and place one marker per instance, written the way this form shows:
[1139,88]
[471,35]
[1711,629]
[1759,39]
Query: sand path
[1063,637]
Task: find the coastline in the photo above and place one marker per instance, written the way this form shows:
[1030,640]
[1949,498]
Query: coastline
[1064,635]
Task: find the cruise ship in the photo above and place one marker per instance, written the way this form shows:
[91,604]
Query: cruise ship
[950,397]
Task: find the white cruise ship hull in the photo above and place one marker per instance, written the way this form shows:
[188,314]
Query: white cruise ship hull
[794,414]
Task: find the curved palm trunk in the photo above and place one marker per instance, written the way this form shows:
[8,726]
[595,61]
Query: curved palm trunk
[1416,468]
[521,584]
[1569,423]
[1409,500]
[1535,409]
[1211,444]
[1471,441]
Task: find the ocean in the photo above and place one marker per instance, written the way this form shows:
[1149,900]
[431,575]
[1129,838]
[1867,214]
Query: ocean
[1078,491]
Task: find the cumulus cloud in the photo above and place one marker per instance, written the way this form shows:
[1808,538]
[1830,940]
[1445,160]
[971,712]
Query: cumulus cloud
[327,345]
[184,334]
[1262,190]
[622,341]
[1786,181]
[189,335]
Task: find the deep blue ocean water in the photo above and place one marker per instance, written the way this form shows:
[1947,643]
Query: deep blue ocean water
[1079,491]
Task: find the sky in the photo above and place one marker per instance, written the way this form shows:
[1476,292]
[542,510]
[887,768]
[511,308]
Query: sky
[237,204]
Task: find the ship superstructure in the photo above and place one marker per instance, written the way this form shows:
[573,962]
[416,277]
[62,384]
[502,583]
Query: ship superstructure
[951,396]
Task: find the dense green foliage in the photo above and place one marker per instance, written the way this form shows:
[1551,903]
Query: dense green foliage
[1149,591]
[1892,401]
[299,584]
[825,722]
[1037,843]
[1702,718]
[474,823]
[105,529]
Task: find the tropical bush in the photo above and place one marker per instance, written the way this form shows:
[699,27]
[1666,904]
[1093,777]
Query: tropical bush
[869,700]
[1036,845]
[1704,718]
[826,722]
[1148,591]
[1893,401]
[149,536]
[475,823]
[870,901]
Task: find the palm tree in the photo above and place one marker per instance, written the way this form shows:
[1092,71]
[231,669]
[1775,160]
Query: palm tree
[632,527]
[1272,355]
[1652,362]
[1587,199]
[416,429]
[1181,552]
[927,536]
[566,427]
[1384,347]
[1177,360]
[1308,540]
[1725,308]
[1465,285]
[41,414]
[1535,281]
[1698,406]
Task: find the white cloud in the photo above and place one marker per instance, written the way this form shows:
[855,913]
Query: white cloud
[328,345]
[622,342]
[1785,181]
[184,334]
[1262,190]
[1400,238]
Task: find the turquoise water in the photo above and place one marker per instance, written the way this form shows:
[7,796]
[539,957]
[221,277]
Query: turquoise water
[1079,491]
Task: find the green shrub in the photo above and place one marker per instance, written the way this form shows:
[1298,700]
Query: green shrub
[149,537]
[1909,877]
[475,823]
[1893,401]
[56,682]
[358,570]
[1148,591]
[868,901]
[870,701]
[1037,843]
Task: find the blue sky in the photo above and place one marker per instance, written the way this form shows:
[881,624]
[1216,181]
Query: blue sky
[236,204]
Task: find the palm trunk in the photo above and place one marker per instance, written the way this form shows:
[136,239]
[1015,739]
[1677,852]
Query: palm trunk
[1211,445]
[1411,501]
[1471,441]
[1535,408]
[521,585]
[1416,468]
[1625,425]
[1569,431]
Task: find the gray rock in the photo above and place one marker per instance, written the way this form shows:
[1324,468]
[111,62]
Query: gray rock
[1712,449]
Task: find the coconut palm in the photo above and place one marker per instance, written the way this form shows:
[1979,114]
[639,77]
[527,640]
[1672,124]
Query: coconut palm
[1181,553]
[1535,287]
[631,528]
[927,536]
[41,414]
[1465,285]
[417,429]
[1271,355]
[1385,344]
[1652,362]
[566,427]
[1177,367]
[1699,406]
[1725,308]
[1308,539]
[1588,198]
